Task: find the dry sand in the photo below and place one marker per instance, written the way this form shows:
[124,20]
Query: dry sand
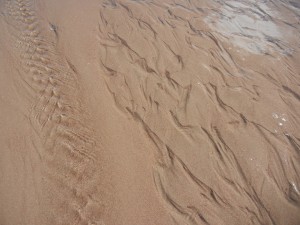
[149,112]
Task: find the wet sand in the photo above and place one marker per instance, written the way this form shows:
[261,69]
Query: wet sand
[122,112]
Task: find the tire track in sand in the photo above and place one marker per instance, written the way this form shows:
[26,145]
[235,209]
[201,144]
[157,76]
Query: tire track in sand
[50,82]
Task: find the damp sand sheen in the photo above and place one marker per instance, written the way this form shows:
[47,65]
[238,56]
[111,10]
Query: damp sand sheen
[149,112]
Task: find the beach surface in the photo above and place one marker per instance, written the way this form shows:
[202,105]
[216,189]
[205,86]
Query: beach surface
[149,112]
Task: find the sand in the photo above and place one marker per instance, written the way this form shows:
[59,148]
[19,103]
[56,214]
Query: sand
[123,112]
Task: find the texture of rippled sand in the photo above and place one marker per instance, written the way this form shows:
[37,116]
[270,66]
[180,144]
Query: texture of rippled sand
[149,112]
